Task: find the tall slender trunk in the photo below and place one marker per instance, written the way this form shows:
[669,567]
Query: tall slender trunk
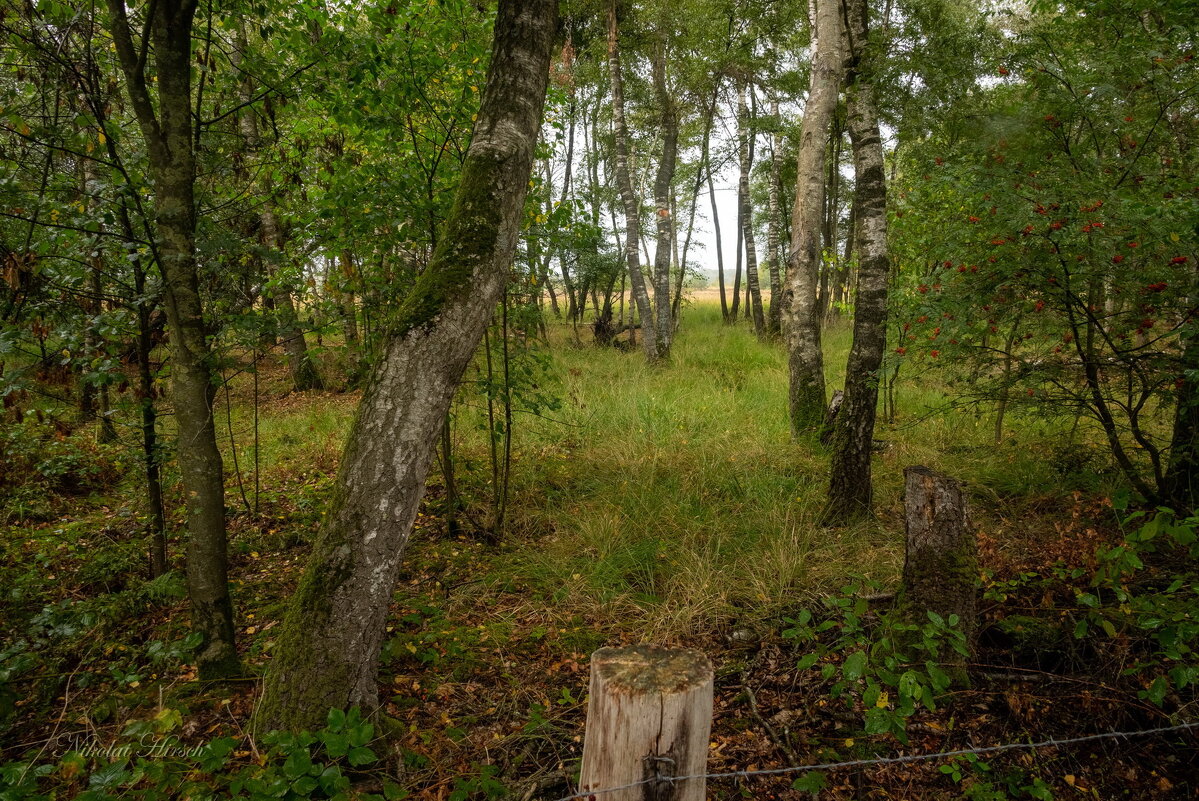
[168,133]
[829,232]
[107,431]
[850,487]
[632,208]
[704,167]
[774,231]
[663,184]
[344,295]
[327,652]
[801,320]
[149,424]
[304,375]
[840,288]
[1181,488]
[572,301]
[736,306]
[724,303]
[144,306]
[746,153]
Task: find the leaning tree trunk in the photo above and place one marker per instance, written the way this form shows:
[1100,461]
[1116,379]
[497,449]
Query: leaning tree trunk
[850,489]
[328,650]
[632,208]
[663,322]
[801,321]
[746,158]
[167,130]
[773,232]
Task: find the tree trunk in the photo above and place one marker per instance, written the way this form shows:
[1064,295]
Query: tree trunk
[746,153]
[303,372]
[704,166]
[632,208]
[850,488]
[774,231]
[840,289]
[572,301]
[648,717]
[149,414]
[801,321]
[344,293]
[328,650]
[940,568]
[829,231]
[663,183]
[168,133]
[724,303]
[1181,488]
[740,251]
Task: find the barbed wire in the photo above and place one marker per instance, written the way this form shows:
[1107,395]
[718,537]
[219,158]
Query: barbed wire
[859,763]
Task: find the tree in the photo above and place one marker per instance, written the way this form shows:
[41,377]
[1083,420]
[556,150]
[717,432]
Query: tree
[1051,262]
[850,489]
[328,650]
[167,128]
[745,153]
[801,319]
[663,191]
[624,180]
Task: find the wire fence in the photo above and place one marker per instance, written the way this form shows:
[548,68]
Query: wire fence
[861,763]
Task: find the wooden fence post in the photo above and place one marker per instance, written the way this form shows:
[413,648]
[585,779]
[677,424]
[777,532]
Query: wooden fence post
[649,718]
[940,568]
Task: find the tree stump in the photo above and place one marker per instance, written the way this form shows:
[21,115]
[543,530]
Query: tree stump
[940,569]
[648,719]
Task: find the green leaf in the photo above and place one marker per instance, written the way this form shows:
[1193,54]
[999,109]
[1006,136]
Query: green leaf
[336,720]
[812,782]
[361,756]
[854,666]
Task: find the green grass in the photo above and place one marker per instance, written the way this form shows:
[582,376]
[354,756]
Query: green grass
[672,500]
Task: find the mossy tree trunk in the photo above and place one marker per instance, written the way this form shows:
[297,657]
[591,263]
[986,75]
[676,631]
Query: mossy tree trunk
[851,490]
[328,648]
[940,568]
[167,129]
[801,319]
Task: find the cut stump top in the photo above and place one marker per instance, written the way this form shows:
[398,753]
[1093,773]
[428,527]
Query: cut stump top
[639,669]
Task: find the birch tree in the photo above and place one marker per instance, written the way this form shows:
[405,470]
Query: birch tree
[327,653]
[850,488]
[801,320]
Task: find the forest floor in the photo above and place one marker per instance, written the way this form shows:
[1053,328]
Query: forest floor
[665,505]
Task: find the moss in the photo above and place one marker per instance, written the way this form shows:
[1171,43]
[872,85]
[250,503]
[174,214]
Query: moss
[468,240]
[302,681]
[944,582]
